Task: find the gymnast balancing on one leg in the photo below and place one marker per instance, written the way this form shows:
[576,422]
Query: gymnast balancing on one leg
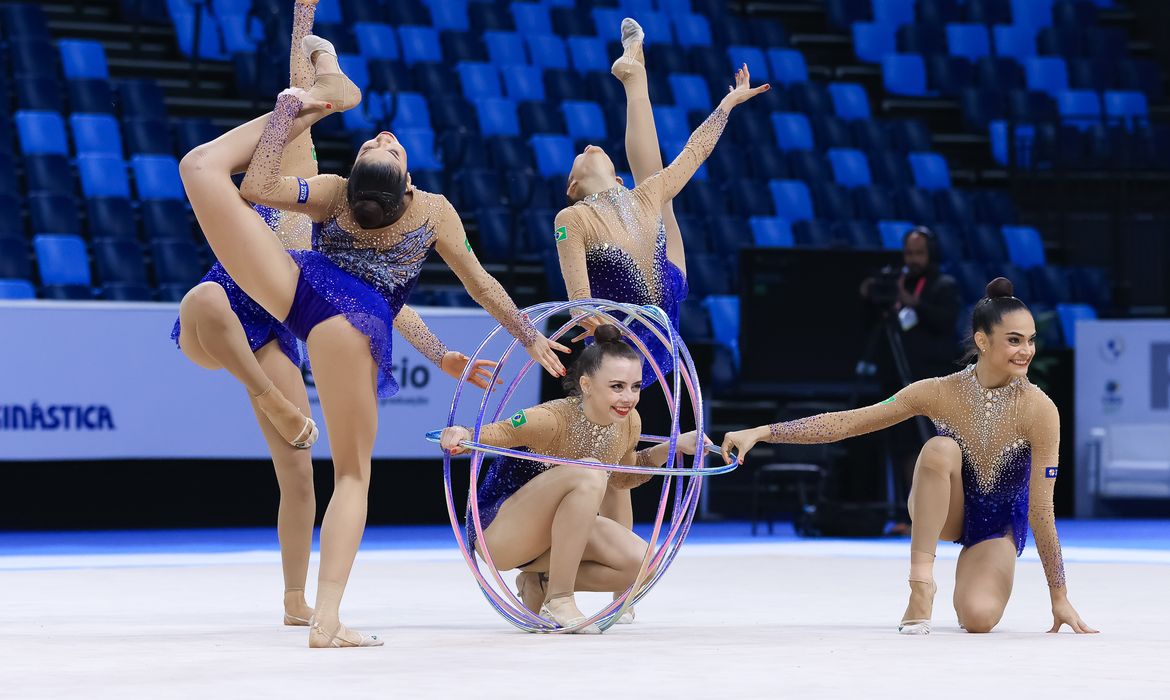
[988,474]
[341,297]
[220,326]
[544,519]
[625,245]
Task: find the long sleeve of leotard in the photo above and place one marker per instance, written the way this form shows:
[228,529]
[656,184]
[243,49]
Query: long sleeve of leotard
[452,244]
[1044,436]
[914,400]
[569,233]
[663,185]
[299,157]
[416,332]
[535,428]
[264,183]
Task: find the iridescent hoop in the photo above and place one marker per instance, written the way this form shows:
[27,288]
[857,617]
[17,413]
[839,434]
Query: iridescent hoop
[687,482]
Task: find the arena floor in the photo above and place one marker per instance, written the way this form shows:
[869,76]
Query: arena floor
[195,614]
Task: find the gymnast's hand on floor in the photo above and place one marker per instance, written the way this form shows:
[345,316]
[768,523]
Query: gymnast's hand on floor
[451,438]
[308,102]
[542,349]
[480,375]
[1063,613]
[742,441]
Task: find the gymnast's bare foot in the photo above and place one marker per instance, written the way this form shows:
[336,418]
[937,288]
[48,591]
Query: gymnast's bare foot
[331,85]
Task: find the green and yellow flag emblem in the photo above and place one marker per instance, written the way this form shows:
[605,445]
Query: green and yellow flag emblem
[519,419]
[561,234]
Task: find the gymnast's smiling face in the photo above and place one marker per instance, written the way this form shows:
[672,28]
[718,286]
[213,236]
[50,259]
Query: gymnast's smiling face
[383,149]
[1011,345]
[614,388]
[592,172]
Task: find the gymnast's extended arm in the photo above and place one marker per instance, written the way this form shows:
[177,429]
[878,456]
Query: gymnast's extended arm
[535,428]
[914,400]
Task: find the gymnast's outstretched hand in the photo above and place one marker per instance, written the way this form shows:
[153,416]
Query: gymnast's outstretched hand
[742,441]
[453,364]
[688,443]
[542,349]
[451,438]
[588,323]
[742,91]
[1063,613]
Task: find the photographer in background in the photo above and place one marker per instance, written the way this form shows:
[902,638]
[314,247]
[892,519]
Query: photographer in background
[926,303]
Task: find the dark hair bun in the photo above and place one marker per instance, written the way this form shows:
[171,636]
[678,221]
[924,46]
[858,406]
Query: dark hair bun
[367,213]
[607,333]
[1000,287]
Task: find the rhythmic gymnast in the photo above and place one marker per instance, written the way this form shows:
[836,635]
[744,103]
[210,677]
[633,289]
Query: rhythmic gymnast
[544,519]
[374,233]
[219,326]
[625,244]
[988,474]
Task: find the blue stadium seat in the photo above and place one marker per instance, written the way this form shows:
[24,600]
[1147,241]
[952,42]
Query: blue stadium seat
[33,58]
[987,243]
[904,74]
[462,46]
[82,59]
[955,206]
[724,313]
[930,171]
[768,32]
[1052,284]
[1107,43]
[119,261]
[505,48]
[949,238]
[125,291]
[1014,41]
[1052,41]
[14,259]
[419,45]
[1024,246]
[915,204]
[1031,106]
[376,40]
[61,259]
[793,132]
[39,94]
[850,101]
[749,198]
[1033,13]
[1046,73]
[176,262]
[889,168]
[449,15]
[24,20]
[41,133]
[585,120]
[356,68]
[1142,75]
[141,99]
[103,176]
[54,212]
[893,233]
[96,134]
[554,154]
[690,91]
[766,164]
[157,177]
[787,66]
[856,234]
[531,18]
[870,135]
[90,97]
[700,198]
[693,323]
[831,132]
[1126,107]
[728,234]
[755,60]
[497,117]
[166,219]
[547,51]
[850,167]
[947,74]
[1079,108]
[479,80]
[1074,13]
[692,30]
[1069,314]
[813,234]
[936,12]
[420,149]
[509,153]
[792,199]
[588,54]
[872,41]
[921,39]
[496,242]
[210,46]
[487,17]
[771,232]
[49,172]
[895,12]
[11,226]
[569,20]
[148,136]
[16,289]
[328,12]
[1091,285]
[831,201]
[996,207]
[968,41]
[541,118]
[408,110]
[671,123]
[476,189]
[1091,74]
[709,273]
[110,218]
[525,84]
[190,133]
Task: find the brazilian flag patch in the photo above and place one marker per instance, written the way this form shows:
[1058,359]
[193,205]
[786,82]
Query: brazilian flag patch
[892,399]
[467,244]
[561,234]
[314,151]
[519,419]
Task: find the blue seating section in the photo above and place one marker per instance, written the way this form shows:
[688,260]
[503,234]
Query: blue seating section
[493,101]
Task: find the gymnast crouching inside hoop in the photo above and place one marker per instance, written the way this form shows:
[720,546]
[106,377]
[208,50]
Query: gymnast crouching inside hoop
[543,519]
